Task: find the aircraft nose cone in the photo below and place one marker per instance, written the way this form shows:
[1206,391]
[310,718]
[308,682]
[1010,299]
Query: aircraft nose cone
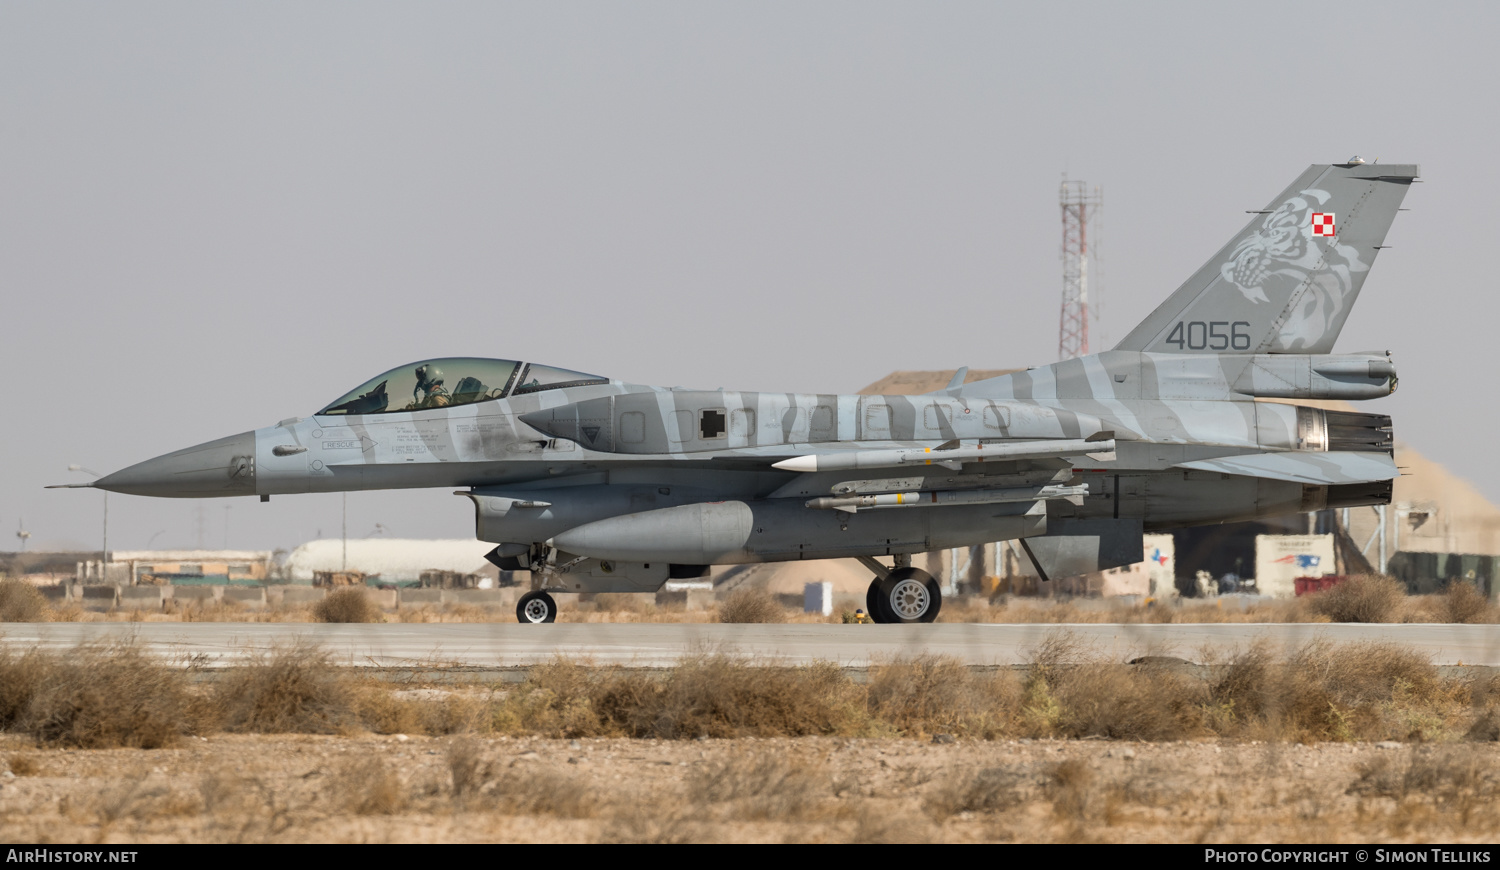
[222,467]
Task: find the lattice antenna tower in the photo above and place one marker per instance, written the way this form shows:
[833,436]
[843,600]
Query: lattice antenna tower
[1080,210]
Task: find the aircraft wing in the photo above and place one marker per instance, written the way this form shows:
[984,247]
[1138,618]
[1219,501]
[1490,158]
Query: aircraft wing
[1329,469]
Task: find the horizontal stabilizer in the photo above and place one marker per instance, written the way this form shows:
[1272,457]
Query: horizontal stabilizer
[1329,469]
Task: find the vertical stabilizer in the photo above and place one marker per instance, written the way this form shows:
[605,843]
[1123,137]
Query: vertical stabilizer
[1286,282]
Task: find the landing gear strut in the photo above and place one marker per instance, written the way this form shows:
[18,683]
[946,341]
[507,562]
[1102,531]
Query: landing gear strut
[904,595]
[536,607]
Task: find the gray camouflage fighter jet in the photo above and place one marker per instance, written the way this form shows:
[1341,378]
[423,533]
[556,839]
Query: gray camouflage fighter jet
[597,485]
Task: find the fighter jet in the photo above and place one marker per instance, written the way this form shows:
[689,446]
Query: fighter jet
[597,485]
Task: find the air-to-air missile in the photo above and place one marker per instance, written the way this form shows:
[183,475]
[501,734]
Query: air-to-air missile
[952,455]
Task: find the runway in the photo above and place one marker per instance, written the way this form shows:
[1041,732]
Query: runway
[655,645]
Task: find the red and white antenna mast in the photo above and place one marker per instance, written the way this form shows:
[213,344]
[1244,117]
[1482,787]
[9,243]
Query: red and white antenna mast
[1079,209]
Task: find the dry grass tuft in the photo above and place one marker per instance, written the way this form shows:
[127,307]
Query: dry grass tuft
[876,825]
[1366,691]
[21,602]
[20,677]
[1450,778]
[1069,786]
[710,696]
[1119,702]
[983,791]
[466,767]
[1486,727]
[23,765]
[98,698]
[1068,692]
[346,605]
[930,694]
[136,797]
[751,605]
[621,603]
[760,786]
[555,700]
[721,697]
[1462,603]
[292,689]
[368,787]
[441,712]
[641,822]
[526,788]
[1365,598]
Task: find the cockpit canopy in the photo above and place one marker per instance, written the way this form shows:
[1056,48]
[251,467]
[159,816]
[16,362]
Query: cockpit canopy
[440,383]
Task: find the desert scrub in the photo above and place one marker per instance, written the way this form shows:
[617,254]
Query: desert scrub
[931,694]
[1364,598]
[292,689]
[1462,603]
[711,696]
[1323,691]
[751,605]
[120,696]
[98,697]
[346,605]
[21,602]
[368,787]
[759,785]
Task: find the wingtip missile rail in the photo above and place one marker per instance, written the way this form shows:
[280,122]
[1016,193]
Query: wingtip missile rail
[953,457]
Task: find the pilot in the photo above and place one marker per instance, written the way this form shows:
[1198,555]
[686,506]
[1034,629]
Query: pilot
[430,385]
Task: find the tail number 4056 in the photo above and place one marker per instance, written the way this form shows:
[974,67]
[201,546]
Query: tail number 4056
[1211,335]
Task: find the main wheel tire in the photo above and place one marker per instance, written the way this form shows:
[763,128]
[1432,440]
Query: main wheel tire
[536,607]
[910,595]
[872,604]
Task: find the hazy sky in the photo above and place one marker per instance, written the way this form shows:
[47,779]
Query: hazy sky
[214,216]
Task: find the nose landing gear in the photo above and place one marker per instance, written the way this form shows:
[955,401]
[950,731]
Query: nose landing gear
[536,607]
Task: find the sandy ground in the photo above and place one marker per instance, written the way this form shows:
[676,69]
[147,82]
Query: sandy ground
[420,789]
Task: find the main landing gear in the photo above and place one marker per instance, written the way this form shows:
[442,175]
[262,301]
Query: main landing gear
[536,607]
[902,594]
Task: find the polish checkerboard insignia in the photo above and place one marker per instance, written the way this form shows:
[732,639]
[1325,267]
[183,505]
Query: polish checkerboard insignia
[1322,224]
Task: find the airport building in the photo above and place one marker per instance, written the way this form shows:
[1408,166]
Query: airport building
[177,567]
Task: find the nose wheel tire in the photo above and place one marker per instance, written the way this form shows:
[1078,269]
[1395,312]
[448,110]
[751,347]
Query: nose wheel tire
[536,607]
[906,595]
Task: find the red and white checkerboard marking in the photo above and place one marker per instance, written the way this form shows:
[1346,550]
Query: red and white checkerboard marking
[1322,224]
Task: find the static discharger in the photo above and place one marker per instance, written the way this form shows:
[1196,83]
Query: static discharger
[852,504]
[953,457]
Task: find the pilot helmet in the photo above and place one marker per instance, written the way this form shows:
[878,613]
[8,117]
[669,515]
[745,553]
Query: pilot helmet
[429,376]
